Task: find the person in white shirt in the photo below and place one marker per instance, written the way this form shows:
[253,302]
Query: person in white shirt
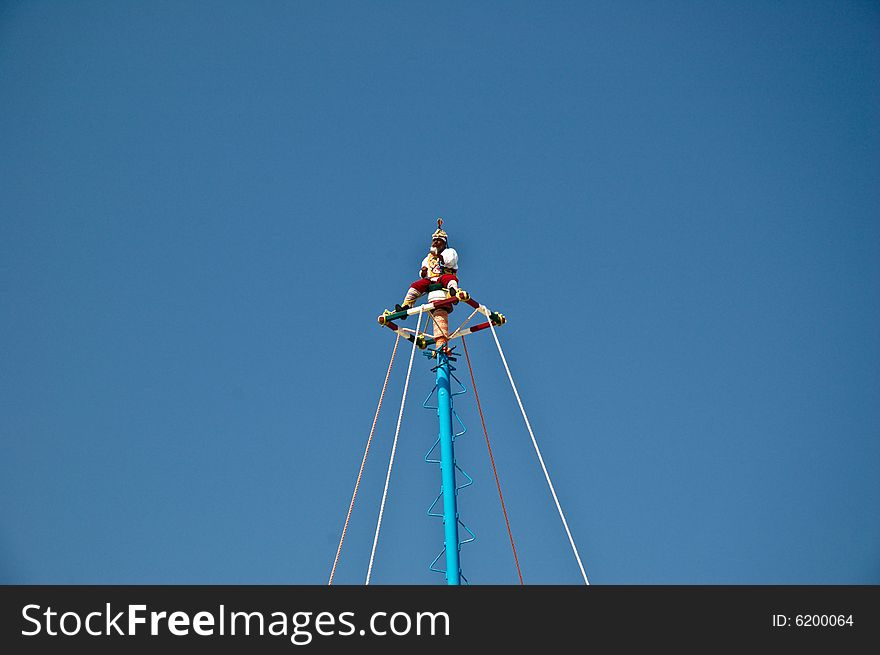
[440,266]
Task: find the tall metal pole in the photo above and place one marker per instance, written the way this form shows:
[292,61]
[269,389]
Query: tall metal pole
[447,471]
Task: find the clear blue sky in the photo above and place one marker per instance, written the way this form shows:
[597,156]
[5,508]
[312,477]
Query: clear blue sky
[204,206]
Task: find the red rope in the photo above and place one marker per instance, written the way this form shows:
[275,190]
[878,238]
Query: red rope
[366,452]
[492,459]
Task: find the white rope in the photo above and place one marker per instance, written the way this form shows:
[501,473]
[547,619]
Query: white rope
[540,459]
[393,449]
[461,327]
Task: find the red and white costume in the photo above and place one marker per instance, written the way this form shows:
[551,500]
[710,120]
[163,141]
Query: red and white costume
[441,268]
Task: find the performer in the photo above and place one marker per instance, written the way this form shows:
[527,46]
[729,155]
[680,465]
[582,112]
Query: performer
[440,266]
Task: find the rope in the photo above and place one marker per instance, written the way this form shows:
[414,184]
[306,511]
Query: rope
[461,327]
[364,461]
[450,337]
[439,327]
[393,449]
[538,451]
[492,459]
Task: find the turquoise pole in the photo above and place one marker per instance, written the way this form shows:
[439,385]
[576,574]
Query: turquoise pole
[447,472]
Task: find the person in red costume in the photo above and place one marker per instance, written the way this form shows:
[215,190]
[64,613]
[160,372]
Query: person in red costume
[440,266]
